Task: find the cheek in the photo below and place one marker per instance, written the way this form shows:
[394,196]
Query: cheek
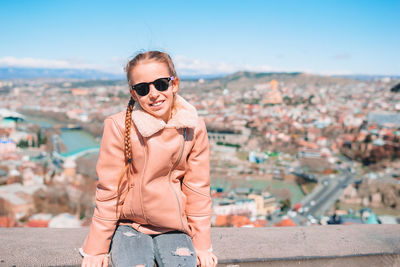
[133,95]
[171,97]
[142,102]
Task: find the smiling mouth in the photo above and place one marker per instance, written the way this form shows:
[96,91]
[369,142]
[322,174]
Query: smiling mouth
[156,104]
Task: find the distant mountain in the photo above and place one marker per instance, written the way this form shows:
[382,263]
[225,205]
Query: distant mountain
[242,80]
[365,77]
[7,73]
[201,76]
[258,75]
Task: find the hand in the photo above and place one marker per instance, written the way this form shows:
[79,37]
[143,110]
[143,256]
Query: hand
[95,261]
[206,258]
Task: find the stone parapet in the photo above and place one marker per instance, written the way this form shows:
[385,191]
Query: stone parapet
[332,245]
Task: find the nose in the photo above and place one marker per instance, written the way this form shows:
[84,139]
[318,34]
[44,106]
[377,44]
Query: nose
[153,91]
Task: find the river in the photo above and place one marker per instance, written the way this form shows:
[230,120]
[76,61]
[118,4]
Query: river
[74,140]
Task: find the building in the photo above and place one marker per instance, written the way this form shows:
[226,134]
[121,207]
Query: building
[265,203]
[17,200]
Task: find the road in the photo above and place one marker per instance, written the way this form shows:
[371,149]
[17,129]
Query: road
[322,198]
[328,195]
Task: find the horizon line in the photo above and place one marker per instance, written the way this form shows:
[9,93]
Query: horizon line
[194,75]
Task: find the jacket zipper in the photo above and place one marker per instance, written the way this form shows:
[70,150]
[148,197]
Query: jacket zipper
[169,179]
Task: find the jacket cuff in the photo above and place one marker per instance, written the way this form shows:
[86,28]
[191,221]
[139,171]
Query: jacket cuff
[201,226]
[83,254]
[99,237]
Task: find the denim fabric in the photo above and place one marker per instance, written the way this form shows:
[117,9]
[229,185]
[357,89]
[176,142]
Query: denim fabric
[130,248]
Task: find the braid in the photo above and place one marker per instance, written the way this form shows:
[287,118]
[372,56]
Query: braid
[128,150]
[128,124]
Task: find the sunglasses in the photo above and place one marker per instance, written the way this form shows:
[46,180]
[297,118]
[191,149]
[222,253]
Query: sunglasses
[160,84]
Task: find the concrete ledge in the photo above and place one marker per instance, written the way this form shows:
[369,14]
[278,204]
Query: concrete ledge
[333,245]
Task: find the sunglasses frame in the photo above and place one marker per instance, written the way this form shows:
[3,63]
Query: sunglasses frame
[135,87]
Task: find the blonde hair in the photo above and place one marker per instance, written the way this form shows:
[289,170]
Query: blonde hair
[156,56]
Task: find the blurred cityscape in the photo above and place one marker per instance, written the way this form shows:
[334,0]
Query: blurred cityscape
[286,148]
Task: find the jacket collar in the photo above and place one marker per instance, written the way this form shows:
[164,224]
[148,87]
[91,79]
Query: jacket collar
[185,116]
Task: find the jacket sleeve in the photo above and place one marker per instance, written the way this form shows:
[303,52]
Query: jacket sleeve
[109,167]
[196,187]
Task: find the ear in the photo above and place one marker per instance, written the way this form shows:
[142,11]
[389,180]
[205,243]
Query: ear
[175,85]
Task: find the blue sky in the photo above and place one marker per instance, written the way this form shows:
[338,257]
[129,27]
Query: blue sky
[207,37]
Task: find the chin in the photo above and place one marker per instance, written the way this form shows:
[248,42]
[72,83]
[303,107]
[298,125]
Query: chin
[160,114]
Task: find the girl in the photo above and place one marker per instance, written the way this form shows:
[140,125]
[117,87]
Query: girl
[159,208]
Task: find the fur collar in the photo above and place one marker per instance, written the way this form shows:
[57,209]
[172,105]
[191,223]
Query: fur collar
[185,116]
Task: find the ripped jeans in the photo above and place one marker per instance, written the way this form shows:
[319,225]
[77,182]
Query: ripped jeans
[131,248]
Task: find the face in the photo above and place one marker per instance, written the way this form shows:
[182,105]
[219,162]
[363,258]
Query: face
[159,104]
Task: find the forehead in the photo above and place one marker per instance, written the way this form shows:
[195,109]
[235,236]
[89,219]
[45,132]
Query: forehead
[148,71]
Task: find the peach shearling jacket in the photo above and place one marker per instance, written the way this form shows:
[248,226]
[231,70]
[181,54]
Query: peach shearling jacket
[169,182]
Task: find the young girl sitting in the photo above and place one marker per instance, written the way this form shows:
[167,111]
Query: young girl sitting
[153,195]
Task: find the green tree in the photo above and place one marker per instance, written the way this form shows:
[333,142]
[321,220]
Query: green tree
[285,205]
[23,144]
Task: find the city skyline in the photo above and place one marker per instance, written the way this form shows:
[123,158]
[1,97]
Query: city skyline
[333,37]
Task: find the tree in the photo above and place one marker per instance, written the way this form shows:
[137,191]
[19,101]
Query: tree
[285,205]
[23,144]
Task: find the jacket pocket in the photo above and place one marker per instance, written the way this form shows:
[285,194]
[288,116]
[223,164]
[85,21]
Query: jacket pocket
[104,194]
[127,211]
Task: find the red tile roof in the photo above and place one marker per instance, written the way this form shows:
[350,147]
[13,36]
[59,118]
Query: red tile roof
[286,222]
[6,221]
[37,223]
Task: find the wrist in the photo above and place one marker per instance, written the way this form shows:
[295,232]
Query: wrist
[83,254]
[209,249]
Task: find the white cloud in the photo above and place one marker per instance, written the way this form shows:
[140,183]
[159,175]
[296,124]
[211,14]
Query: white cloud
[44,63]
[190,66]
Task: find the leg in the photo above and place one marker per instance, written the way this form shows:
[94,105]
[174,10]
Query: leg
[174,249]
[131,248]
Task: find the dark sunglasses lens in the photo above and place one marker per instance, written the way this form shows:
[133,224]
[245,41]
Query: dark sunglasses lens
[161,84]
[142,89]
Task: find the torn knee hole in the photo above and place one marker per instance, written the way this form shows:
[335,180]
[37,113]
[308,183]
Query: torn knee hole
[129,234]
[183,252]
[140,265]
